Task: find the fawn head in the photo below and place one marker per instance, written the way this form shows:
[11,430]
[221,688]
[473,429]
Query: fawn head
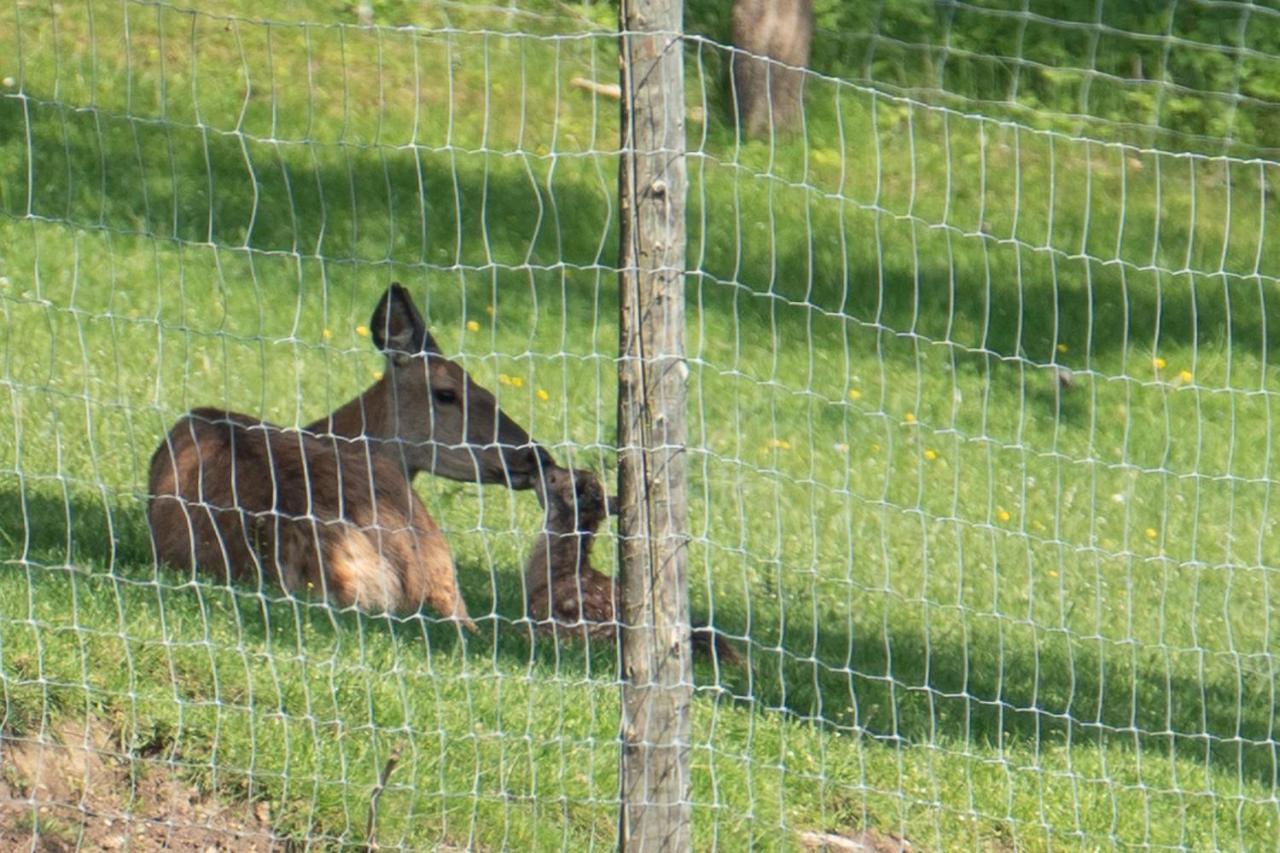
[574,498]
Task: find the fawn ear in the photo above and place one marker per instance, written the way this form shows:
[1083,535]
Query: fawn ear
[398,329]
[611,504]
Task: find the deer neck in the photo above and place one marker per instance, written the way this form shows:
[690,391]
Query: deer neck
[369,418]
[570,548]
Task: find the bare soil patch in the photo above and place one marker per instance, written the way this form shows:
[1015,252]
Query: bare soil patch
[862,841]
[72,789]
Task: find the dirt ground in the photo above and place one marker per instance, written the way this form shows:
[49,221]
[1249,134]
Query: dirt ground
[71,789]
[863,841]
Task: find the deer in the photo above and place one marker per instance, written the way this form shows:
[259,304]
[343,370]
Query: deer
[331,506]
[564,593]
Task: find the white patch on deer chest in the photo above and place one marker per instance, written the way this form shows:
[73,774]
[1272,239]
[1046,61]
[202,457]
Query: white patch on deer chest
[359,574]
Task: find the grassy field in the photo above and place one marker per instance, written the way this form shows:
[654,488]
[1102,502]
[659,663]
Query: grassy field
[982,607]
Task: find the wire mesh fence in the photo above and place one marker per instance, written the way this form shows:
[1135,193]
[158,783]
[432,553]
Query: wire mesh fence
[980,419]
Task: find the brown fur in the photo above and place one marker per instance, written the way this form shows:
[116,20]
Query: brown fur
[334,508]
[564,593]
[770,95]
[251,502]
[427,414]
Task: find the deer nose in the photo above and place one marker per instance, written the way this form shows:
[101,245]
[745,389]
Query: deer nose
[526,465]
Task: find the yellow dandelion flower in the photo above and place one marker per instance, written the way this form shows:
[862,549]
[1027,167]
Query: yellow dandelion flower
[931,454]
[377,374]
[517,382]
[1003,515]
[327,334]
[489,310]
[504,379]
[362,331]
[1158,363]
[1151,533]
[473,326]
[1062,348]
[855,394]
[543,395]
[875,448]
[1052,573]
[910,417]
[779,444]
[1185,376]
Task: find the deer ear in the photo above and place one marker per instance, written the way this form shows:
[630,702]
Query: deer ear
[398,329]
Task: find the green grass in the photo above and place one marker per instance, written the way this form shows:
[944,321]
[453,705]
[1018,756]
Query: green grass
[981,610]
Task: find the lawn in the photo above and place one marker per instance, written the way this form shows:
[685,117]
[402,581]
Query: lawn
[980,435]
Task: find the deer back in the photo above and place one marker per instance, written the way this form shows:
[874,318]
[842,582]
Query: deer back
[247,500]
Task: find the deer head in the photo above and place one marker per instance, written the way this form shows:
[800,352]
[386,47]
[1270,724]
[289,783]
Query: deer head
[575,498]
[428,410]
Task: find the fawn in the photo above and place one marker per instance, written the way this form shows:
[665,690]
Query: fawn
[332,505]
[564,593]
[562,589]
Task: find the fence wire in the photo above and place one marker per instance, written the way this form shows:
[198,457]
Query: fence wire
[980,421]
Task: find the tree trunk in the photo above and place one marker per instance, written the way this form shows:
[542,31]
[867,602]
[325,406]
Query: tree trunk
[769,95]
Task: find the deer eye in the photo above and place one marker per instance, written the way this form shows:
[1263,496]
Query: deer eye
[445,396]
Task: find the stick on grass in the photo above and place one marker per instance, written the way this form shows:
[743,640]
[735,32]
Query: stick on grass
[370,833]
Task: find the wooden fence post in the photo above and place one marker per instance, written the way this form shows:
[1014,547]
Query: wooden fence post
[652,374]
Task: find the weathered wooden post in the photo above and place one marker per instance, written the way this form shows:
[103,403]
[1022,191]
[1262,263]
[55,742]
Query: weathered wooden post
[652,375]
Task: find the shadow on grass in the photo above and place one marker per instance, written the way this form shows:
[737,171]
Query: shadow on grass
[959,680]
[47,527]
[521,216]
[910,684]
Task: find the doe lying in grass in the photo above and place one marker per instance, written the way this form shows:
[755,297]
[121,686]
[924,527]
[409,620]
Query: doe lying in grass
[332,505]
[249,500]
[565,594]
